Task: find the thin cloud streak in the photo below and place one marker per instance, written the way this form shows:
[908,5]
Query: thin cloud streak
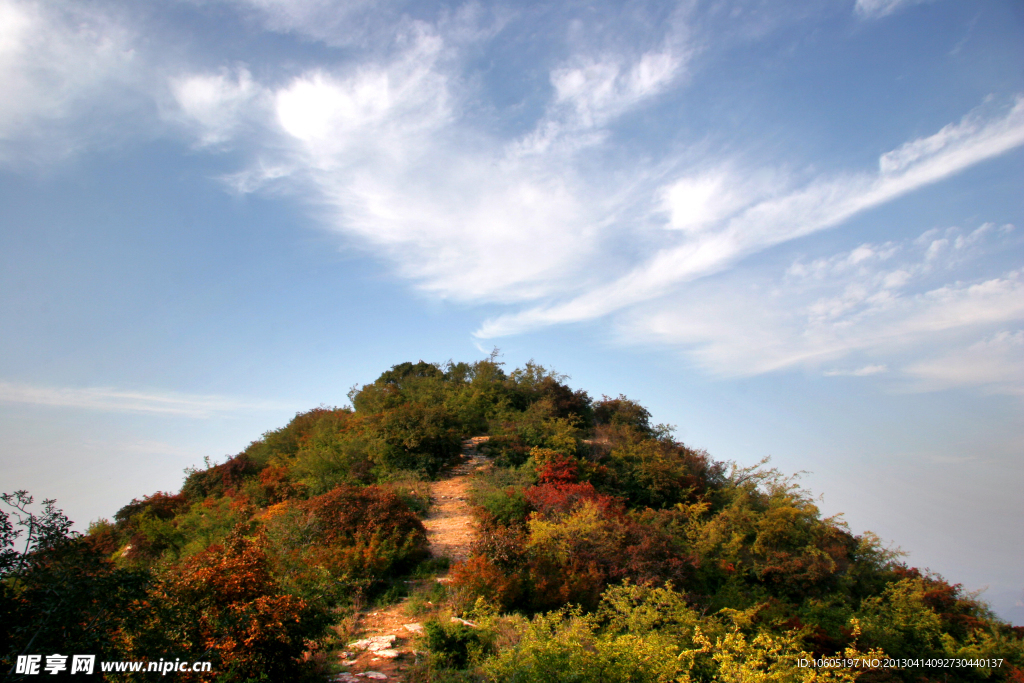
[879,308]
[119,401]
[876,9]
[821,205]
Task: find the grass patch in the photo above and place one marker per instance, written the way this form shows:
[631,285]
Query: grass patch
[431,567]
[392,594]
[426,598]
[412,487]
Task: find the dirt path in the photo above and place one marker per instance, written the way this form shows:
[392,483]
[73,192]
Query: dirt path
[383,650]
[449,523]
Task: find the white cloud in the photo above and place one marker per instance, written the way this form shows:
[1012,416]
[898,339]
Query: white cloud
[865,371]
[875,9]
[596,91]
[383,148]
[995,362]
[590,92]
[698,202]
[335,22]
[386,146]
[778,218]
[214,104]
[120,401]
[886,309]
[60,64]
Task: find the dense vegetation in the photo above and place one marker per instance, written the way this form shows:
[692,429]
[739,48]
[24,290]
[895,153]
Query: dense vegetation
[607,551]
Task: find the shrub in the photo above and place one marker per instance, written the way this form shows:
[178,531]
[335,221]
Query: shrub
[412,488]
[219,480]
[413,436]
[272,486]
[566,646]
[453,645]
[480,577]
[508,506]
[657,473]
[508,450]
[60,593]
[348,539]
[223,605]
[622,412]
[346,513]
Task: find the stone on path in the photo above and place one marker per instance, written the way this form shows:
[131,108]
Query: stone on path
[374,643]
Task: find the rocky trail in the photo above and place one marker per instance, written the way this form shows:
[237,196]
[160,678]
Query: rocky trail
[386,636]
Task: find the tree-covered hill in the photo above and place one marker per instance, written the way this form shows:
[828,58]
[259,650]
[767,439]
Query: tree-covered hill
[606,551]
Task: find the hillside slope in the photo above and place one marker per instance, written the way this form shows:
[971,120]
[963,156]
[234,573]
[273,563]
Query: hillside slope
[579,541]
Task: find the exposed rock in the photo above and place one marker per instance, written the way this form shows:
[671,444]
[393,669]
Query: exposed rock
[374,643]
[413,628]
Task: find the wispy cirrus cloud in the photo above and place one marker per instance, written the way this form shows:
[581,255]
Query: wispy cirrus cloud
[215,105]
[720,226]
[995,362]
[875,9]
[108,399]
[392,149]
[865,371]
[384,149]
[901,311]
[65,68]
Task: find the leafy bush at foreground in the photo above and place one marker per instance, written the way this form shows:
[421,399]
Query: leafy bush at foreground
[608,551]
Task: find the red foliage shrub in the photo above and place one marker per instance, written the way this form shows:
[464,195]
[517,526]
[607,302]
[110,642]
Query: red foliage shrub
[479,577]
[559,470]
[578,542]
[103,540]
[505,546]
[220,480]
[552,499]
[274,484]
[959,614]
[628,547]
[650,554]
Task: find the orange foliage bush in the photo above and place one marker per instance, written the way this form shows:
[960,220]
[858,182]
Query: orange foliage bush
[363,532]
[346,512]
[274,485]
[480,577]
[224,606]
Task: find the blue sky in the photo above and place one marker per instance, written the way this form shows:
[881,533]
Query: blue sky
[790,229]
